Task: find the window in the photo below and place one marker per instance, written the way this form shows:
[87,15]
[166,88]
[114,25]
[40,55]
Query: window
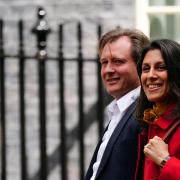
[159,19]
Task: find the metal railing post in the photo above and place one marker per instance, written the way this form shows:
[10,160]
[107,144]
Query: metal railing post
[41,30]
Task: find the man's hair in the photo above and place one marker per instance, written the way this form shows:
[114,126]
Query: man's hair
[137,38]
[170,51]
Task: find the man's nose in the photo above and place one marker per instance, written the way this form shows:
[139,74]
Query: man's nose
[110,67]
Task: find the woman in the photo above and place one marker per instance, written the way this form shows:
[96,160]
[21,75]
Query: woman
[159,109]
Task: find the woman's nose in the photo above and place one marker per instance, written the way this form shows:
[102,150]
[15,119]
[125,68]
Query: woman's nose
[152,73]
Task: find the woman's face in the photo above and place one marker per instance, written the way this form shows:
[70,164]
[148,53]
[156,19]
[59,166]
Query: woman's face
[154,77]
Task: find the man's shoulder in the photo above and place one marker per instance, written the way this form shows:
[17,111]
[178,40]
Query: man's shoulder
[131,114]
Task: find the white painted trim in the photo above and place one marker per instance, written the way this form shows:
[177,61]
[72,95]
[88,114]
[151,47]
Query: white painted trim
[163,10]
[142,19]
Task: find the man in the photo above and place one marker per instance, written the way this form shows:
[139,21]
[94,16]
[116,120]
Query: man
[116,153]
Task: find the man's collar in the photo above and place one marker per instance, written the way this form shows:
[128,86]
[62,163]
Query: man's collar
[124,102]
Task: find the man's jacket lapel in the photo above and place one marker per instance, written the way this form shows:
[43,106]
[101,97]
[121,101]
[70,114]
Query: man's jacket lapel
[114,137]
[94,157]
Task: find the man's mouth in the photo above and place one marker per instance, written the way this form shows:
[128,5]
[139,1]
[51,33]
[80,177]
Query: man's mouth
[112,80]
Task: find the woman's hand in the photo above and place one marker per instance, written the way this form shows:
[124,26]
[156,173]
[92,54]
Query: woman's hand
[156,149]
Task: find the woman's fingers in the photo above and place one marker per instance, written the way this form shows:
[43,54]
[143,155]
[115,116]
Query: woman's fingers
[156,149]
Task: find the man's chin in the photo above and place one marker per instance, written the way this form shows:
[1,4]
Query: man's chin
[114,93]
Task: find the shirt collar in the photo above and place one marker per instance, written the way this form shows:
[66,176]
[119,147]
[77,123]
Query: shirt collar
[124,102]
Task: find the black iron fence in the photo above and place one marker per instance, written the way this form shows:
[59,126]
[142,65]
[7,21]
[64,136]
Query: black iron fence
[67,138]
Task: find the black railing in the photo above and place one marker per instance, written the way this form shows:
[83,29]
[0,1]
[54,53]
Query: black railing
[2,101]
[67,138]
[22,102]
[63,159]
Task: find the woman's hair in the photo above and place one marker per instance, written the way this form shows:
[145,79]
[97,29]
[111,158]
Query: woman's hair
[137,38]
[170,51]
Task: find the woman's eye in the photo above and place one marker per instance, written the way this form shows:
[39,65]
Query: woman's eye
[145,69]
[161,67]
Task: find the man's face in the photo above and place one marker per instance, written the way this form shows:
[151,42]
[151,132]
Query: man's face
[118,69]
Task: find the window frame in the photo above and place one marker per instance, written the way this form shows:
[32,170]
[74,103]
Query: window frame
[143,12]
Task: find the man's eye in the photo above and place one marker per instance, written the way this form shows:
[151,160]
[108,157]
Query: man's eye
[117,61]
[103,62]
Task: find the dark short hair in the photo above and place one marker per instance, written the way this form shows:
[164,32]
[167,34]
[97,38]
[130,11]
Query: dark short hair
[137,38]
[170,51]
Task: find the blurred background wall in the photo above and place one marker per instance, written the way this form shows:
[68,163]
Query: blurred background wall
[158,19]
